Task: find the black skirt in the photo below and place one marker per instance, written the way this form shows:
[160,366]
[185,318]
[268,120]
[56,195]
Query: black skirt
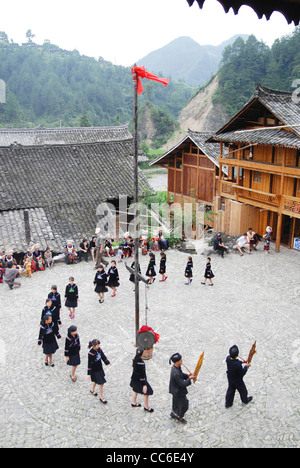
[137,387]
[98,377]
[70,303]
[209,274]
[74,360]
[101,288]
[50,348]
[113,282]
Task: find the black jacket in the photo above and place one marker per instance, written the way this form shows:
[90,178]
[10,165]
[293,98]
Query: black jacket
[235,370]
[178,382]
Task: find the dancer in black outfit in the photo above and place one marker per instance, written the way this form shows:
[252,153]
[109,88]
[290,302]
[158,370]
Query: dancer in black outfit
[47,337]
[72,350]
[235,375]
[95,368]
[139,382]
[100,283]
[208,272]
[114,280]
[151,273]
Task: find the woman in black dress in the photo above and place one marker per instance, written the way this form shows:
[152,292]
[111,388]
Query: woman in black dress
[71,296]
[188,271]
[72,350]
[47,337]
[95,368]
[151,273]
[162,266]
[100,283]
[208,273]
[114,280]
[139,382]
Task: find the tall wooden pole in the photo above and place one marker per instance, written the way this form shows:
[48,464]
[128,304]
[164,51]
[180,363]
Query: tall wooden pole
[136,199]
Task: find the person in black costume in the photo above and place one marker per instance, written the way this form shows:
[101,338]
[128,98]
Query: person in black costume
[235,374]
[208,272]
[188,273]
[47,337]
[72,350]
[151,273]
[139,382]
[178,388]
[56,302]
[114,280]
[219,244]
[95,368]
[100,283]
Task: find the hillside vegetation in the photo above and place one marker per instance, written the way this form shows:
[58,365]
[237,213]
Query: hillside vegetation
[46,85]
[244,64]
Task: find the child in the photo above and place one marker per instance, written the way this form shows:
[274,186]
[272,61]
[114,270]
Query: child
[235,374]
[120,254]
[56,303]
[151,273]
[48,258]
[28,267]
[267,238]
[114,280]
[71,296]
[188,271]
[49,310]
[162,266]
[101,283]
[95,369]
[208,273]
[139,382]
[40,262]
[47,337]
[72,350]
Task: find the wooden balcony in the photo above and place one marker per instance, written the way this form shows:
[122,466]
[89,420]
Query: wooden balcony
[268,168]
[286,204]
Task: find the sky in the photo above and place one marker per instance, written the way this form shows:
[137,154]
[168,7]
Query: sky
[125,31]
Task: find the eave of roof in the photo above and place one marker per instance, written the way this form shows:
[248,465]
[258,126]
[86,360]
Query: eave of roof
[200,139]
[289,8]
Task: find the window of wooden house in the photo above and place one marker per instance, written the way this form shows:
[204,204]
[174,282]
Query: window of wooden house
[194,150]
[257,176]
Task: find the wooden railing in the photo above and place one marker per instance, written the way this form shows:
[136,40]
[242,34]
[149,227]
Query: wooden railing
[291,206]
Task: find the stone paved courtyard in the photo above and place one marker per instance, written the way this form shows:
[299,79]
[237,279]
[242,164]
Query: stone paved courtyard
[255,297]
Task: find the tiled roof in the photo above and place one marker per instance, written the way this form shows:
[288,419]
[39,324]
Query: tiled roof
[211,150]
[289,8]
[60,136]
[281,105]
[263,137]
[63,183]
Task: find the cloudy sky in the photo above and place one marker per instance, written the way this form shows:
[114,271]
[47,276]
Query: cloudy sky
[124,31]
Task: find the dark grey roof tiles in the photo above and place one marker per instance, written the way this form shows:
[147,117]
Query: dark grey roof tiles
[62,184]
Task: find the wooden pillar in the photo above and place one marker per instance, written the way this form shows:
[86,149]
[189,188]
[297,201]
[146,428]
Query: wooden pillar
[278,233]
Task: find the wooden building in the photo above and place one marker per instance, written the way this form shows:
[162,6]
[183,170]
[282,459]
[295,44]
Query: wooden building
[262,185]
[192,169]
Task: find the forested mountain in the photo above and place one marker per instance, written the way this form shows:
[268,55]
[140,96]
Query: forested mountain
[245,64]
[46,85]
[185,59]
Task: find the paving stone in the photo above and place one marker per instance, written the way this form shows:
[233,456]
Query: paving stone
[255,297]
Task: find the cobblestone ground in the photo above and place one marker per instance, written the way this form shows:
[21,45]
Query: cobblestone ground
[255,297]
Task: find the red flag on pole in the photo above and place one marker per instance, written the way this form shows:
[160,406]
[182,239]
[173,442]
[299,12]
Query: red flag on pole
[142,73]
